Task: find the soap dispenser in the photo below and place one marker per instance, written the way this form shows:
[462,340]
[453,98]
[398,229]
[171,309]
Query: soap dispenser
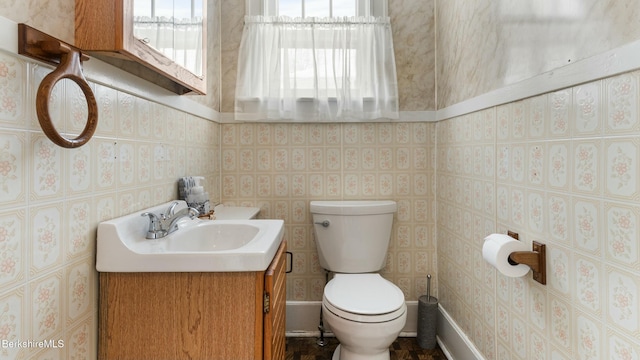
[192,191]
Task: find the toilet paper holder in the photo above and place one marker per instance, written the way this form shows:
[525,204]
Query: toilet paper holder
[535,259]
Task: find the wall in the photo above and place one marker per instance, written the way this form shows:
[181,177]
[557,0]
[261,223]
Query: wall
[56,18]
[413,33]
[559,167]
[52,198]
[413,27]
[53,17]
[484,45]
[45,191]
[282,167]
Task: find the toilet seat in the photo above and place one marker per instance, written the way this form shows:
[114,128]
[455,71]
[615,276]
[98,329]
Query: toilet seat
[364,298]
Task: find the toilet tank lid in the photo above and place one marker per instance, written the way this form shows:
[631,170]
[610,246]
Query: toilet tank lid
[366,294]
[353,207]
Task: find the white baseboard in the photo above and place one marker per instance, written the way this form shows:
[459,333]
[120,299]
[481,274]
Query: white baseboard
[303,318]
[453,341]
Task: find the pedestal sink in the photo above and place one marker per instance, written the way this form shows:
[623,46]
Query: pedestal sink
[197,246]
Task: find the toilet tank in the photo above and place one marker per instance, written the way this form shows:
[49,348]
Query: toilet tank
[357,236]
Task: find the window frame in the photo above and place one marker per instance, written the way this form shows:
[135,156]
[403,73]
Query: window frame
[364,7]
[193,7]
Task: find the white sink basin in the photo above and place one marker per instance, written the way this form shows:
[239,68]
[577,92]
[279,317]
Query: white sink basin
[211,236]
[197,246]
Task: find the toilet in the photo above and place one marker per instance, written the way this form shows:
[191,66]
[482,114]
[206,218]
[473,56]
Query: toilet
[365,311]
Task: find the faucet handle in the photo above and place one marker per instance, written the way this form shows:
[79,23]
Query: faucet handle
[170,211]
[154,231]
[193,213]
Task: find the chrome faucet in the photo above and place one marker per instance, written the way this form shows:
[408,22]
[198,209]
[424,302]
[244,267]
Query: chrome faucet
[154,231]
[171,222]
[164,224]
[172,208]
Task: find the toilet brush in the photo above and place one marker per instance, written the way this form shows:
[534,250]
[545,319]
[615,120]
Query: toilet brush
[427,319]
[321,341]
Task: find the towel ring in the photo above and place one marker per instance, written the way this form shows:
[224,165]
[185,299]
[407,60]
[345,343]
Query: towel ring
[69,66]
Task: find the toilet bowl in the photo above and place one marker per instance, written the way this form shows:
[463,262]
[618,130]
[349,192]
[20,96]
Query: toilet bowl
[366,313]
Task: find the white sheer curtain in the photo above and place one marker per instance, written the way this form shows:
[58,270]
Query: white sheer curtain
[178,39]
[330,69]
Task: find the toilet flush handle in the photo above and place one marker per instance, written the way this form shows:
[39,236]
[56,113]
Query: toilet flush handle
[325,223]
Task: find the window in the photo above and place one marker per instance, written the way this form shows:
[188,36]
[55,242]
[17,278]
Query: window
[172,27]
[316,60]
[317,8]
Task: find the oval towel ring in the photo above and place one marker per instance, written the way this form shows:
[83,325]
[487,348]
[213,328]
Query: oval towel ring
[69,68]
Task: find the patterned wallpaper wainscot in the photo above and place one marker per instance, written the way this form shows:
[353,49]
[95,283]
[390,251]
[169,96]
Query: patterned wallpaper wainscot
[560,168]
[282,167]
[53,198]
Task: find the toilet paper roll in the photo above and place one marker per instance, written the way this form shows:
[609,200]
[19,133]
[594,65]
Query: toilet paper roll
[496,250]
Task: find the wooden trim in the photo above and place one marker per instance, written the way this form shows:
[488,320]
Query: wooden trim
[259,316]
[275,319]
[103,316]
[97,25]
[125,27]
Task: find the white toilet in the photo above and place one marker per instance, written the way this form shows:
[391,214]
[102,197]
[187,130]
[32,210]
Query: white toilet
[365,311]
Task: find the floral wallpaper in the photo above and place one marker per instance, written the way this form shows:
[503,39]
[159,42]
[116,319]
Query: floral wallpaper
[53,198]
[565,173]
[561,168]
[282,167]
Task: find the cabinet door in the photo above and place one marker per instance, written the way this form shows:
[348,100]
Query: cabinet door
[274,317]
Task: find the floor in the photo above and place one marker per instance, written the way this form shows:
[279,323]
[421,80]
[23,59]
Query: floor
[305,348]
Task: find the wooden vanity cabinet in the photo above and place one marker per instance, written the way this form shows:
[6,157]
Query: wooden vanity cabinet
[208,316]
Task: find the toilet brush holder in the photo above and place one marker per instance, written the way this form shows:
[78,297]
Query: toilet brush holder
[427,319]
